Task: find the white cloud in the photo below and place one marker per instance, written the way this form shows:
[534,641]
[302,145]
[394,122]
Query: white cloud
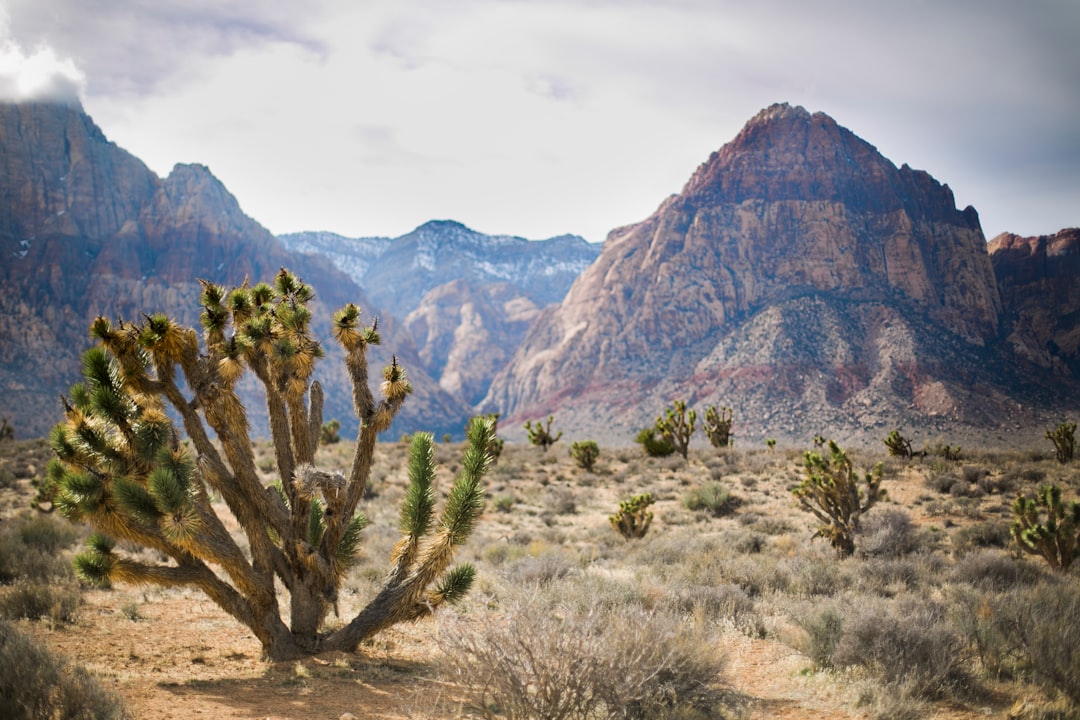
[38,75]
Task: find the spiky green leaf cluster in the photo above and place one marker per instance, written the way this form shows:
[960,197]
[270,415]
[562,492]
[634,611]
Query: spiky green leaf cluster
[633,518]
[1047,527]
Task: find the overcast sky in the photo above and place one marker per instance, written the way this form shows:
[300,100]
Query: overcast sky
[537,118]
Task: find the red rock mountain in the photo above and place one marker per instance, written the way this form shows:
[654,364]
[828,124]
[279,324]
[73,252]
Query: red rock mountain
[1039,283]
[799,277]
[88,229]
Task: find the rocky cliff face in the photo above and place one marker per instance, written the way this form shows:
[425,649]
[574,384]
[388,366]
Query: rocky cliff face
[396,272]
[1039,283]
[468,298]
[799,277]
[86,229]
[466,333]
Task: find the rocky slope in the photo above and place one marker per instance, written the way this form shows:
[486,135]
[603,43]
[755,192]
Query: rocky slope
[467,334]
[467,298]
[799,277]
[88,229]
[397,272]
[1039,283]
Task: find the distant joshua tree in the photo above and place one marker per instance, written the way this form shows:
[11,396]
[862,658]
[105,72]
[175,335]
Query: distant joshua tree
[677,426]
[121,466]
[540,435]
[717,426]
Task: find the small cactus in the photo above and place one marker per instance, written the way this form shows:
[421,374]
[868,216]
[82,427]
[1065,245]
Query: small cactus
[633,518]
[1064,439]
[585,454]
[1056,539]
[540,435]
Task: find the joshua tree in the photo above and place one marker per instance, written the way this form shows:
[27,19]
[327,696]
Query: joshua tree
[717,426]
[123,467]
[7,432]
[633,517]
[1056,539]
[1064,439]
[898,445]
[585,454]
[541,435]
[677,426]
[830,491]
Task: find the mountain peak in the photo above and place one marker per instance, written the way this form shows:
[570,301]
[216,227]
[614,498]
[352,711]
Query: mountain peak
[779,111]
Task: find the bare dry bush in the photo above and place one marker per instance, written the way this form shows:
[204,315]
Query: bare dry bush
[543,658]
[907,640]
[36,684]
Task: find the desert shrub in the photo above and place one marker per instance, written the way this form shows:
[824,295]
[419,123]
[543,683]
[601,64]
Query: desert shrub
[888,533]
[654,443]
[7,480]
[503,503]
[561,501]
[34,601]
[30,547]
[712,497]
[541,659]
[890,576]
[34,684]
[724,602]
[990,534]
[997,484]
[896,701]
[972,473]
[941,480]
[816,575]
[995,570]
[758,575]
[47,533]
[1034,476]
[908,640]
[1040,623]
[823,626]
[540,570]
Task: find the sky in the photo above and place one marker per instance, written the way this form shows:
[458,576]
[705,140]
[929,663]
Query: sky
[543,117]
